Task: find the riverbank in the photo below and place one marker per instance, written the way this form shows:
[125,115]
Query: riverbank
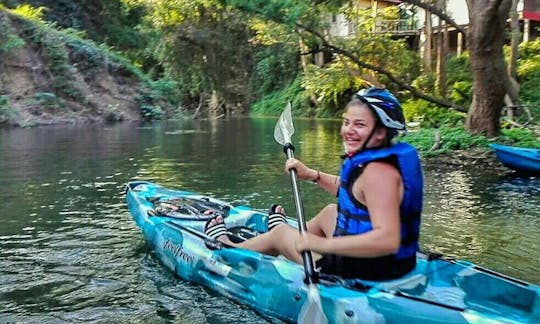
[51,77]
[474,158]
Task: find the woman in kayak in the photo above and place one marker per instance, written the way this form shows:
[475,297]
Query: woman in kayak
[372,232]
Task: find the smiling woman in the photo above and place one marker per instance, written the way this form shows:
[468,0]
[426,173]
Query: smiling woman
[373,231]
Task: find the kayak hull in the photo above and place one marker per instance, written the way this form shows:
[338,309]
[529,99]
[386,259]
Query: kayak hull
[524,160]
[437,291]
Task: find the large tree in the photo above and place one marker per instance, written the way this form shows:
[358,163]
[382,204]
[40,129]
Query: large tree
[485,40]
[485,37]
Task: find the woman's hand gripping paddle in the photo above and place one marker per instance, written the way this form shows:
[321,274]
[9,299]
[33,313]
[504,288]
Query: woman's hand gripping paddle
[311,311]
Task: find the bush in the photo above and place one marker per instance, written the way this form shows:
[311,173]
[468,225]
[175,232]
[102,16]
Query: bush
[529,76]
[429,115]
[48,101]
[519,137]
[5,110]
[272,104]
[461,93]
[168,88]
[452,138]
[148,107]
[8,38]
[29,12]
[149,112]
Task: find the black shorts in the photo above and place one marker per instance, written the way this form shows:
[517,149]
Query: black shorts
[375,269]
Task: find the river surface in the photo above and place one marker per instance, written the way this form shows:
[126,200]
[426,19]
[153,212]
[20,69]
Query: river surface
[70,252]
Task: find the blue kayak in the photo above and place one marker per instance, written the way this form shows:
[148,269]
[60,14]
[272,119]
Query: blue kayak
[524,160]
[438,290]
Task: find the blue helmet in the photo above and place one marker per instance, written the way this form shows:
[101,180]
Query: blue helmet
[385,105]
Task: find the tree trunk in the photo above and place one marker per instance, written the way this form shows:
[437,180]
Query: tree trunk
[428,30]
[512,88]
[442,52]
[305,61]
[485,40]
[514,23]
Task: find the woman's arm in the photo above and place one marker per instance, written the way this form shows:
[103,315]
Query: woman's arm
[327,181]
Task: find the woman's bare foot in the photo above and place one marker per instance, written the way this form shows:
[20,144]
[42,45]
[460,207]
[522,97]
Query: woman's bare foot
[276,216]
[216,229]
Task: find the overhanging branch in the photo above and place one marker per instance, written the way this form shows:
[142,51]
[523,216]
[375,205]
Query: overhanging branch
[400,83]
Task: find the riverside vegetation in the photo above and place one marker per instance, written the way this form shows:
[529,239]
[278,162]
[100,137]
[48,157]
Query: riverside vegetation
[53,74]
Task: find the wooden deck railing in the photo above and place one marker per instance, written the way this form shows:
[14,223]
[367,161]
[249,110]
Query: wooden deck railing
[396,26]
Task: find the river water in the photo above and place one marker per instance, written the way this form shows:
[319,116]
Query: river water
[70,252]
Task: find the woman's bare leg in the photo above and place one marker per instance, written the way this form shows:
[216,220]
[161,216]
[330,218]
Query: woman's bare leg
[280,240]
[324,223]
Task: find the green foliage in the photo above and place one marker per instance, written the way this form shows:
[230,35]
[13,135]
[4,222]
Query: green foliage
[164,14]
[457,138]
[9,40]
[29,12]
[286,12]
[425,82]
[529,49]
[148,107]
[112,22]
[150,112]
[48,101]
[86,54]
[65,52]
[4,101]
[461,93]
[272,104]
[529,73]
[519,137]
[168,88]
[429,115]
[452,138]
[51,44]
[331,85]
[269,33]
[201,47]
[459,80]
[276,67]
[5,110]
[382,51]
[459,69]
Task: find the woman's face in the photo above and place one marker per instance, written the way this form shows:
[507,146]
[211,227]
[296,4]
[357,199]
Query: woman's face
[358,123]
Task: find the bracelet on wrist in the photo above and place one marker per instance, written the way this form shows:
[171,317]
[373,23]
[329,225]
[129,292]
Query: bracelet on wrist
[318,177]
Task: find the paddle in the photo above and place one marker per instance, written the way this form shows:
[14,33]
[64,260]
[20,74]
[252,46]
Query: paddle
[311,311]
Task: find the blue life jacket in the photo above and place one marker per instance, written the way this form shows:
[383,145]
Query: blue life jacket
[353,217]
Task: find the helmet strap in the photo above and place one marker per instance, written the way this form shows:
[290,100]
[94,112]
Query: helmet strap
[368,138]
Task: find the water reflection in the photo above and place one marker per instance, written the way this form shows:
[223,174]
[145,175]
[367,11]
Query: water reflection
[69,250]
[488,219]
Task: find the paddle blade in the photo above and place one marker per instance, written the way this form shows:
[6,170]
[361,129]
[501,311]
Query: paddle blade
[284,127]
[312,311]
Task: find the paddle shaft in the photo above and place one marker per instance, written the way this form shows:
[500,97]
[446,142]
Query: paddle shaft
[307,258]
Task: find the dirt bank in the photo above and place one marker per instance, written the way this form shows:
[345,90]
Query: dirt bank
[49,77]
